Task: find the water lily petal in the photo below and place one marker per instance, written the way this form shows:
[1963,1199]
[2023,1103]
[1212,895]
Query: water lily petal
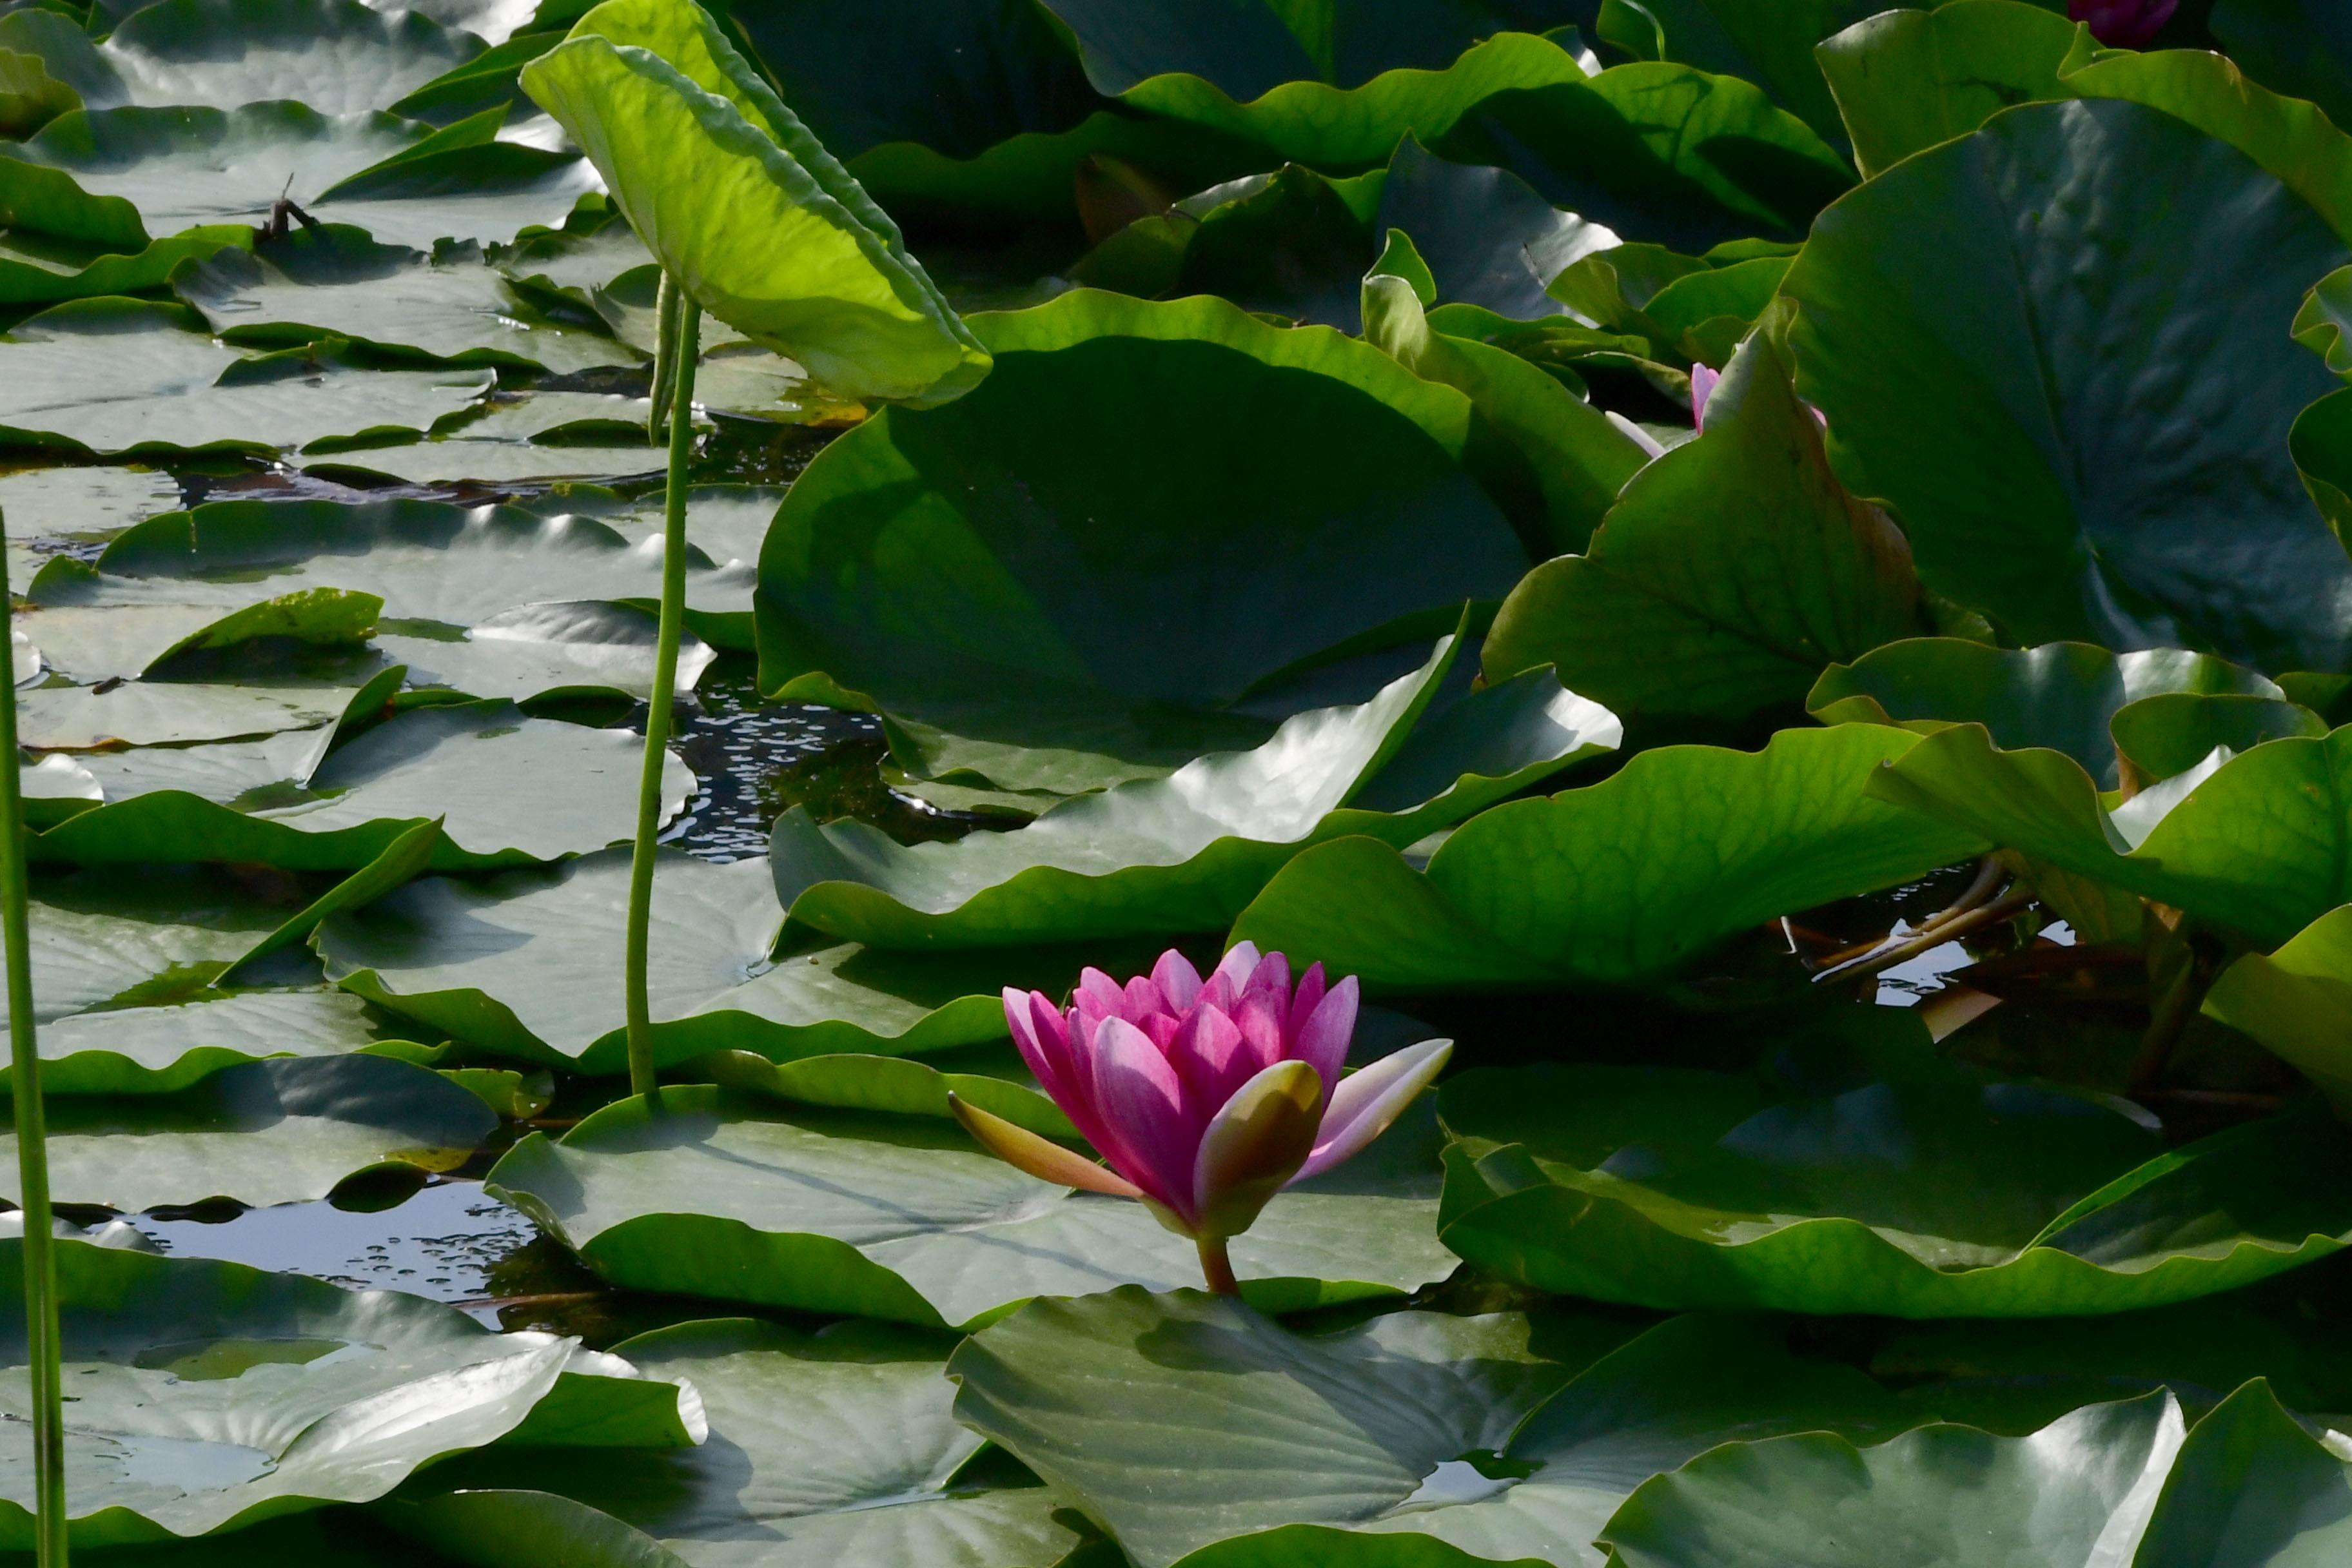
[1046,1161]
[1311,987]
[1321,1042]
[1178,981]
[1214,1058]
[1702,380]
[1365,1102]
[1255,1145]
[1152,1138]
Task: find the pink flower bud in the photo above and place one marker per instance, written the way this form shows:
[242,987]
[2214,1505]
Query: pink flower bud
[2123,24]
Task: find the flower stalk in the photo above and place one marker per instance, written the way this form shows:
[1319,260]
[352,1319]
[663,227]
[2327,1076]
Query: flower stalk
[681,336]
[32,1133]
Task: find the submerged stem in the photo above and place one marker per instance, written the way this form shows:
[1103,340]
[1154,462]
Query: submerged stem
[688,329]
[1217,1268]
[32,1135]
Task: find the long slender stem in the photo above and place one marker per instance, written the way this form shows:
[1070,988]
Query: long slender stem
[665,692]
[32,1133]
[1217,1267]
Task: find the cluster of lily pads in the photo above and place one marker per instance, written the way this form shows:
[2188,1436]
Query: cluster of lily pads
[1772,572]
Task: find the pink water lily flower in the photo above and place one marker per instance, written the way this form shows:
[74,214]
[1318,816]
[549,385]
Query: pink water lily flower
[2123,24]
[1205,1097]
[1702,382]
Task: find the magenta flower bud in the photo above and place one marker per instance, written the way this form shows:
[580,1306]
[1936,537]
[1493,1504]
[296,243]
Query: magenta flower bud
[1703,380]
[2123,24]
[1204,1098]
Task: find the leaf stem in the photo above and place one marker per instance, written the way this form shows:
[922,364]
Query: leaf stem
[642,1080]
[32,1133]
[1217,1268]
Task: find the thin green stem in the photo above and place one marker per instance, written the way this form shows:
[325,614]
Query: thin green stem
[668,301]
[32,1133]
[1217,1266]
[665,692]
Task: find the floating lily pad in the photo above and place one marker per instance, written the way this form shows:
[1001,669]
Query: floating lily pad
[1923,1200]
[339,56]
[523,965]
[1013,580]
[339,283]
[728,1196]
[167,712]
[122,642]
[1620,883]
[2251,1484]
[2079,1490]
[212,1395]
[824,1449]
[167,1047]
[1907,79]
[1195,1430]
[2256,843]
[1974,293]
[2060,696]
[116,376]
[1729,571]
[1188,851]
[285,1130]
[456,763]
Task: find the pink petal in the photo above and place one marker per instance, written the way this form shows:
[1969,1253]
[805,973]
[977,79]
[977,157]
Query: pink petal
[1042,1036]
[1322,1041]
[1365,1102]
[1163,1028]
[1178,981]
[1107,994]
[1145,1117]
[1311,987]
[1213,1058]
[1143,999]
[1702,380]
[1236,967]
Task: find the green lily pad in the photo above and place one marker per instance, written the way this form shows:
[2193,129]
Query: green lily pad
[2293,46]
[478,191]
[1186,852]
[121,377]
[2167,735]
[284,1130]
[724,1194]
[207,1395]
[85,502]
[458,763]
[339,56]
[36,270]
[1906,80]
[1054,655]
[1194,1430]
[2056,399]
[339,283]
[87,644]
[795,256]
[170,1047]
[1729,571]
[824,1449]
[1772,46]
[522,964]
[2298,1002]
[1921,1200]
[2246,845]
[1656,152]
[2079,1491]
[2252,1486]
[2060,696]
[1620,883]
[1487,237]
[991,1076]
[170,712]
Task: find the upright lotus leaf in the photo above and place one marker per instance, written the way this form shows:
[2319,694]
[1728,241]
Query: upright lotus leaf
[1389,1443]
[338,283]
[747,210]
[1772,45]
[2252,1486]
[520,965]
[2167,735]
[279,1131]
[1729,571]
[1291,245]
[1679,1189]
[1909,79]
[824,1449]
[1182,853]
[1488,239]
[2298,1002]
[339,56]
[1620,883]
[125,377]
[2064,451]
[1656,152]
[2078,1492]
[1014,581]
[2061,696]
[721,1193]
[2321,440]
[1552,461]
[2257,844]
[458,764]
[210,1395]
